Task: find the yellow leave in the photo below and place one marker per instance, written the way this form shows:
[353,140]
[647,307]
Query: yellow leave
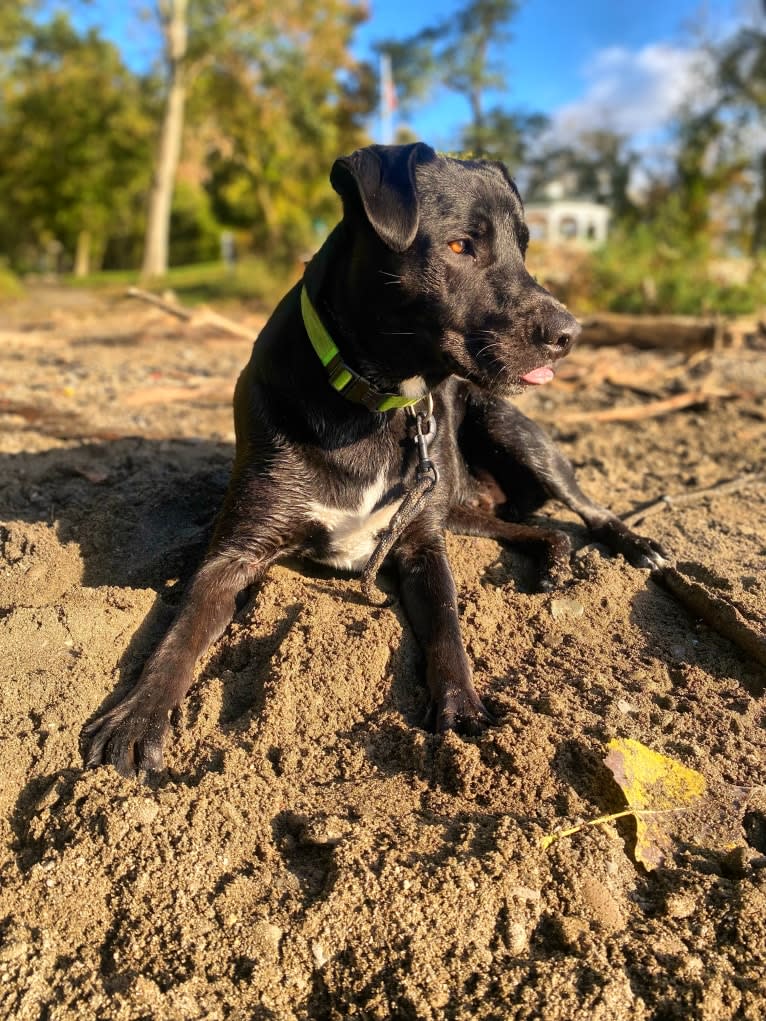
[654,787]
[674,807]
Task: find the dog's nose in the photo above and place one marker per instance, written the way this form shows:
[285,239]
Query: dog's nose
[558,332]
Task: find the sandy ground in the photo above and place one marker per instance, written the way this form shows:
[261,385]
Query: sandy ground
[309,852]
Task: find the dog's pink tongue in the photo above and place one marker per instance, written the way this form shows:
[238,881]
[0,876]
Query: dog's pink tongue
[542,375]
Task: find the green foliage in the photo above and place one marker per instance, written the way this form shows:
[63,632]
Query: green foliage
[463,53]
[659,265]
[195,234]
[274,97]
[742,81]
[14,21]
[86,129]
[273,124]
[10,285]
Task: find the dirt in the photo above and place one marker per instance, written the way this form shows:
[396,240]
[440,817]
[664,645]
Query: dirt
[309,851]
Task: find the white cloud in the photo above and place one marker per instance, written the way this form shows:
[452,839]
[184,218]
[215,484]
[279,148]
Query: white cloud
[634,93]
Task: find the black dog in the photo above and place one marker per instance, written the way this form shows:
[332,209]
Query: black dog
[419,293]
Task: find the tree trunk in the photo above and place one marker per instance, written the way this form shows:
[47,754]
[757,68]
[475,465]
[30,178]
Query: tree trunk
[155,263]
[82,254]
[758,241]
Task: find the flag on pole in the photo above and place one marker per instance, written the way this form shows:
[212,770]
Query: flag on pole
[387,100]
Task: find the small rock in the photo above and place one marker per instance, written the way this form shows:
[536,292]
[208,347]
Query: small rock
[319,955]
[625,707]
[680,905]
[268,933]
[602,905]
[516,938]
[552,640]
[142,811]
[14,951]
[565,607]
[49,797]
[736,864]
[323,831]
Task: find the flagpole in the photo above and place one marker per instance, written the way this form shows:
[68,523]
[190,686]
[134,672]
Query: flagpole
[386,100]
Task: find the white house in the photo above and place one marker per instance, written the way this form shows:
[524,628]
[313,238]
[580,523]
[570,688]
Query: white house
[558,220]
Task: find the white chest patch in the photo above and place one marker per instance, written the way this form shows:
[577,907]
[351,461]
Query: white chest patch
[353,532]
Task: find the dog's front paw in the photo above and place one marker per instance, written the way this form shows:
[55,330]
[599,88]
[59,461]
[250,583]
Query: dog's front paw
[130,736]
[459,709]
[637,549]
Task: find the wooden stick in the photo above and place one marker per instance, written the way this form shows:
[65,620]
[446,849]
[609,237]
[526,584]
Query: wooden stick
[666,501]
[717,612]
[172,308]
[675,332]
[207,317]
[653,409]
[199,317]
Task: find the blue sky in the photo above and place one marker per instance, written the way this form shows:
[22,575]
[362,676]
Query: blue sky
[624,60]
[622,64]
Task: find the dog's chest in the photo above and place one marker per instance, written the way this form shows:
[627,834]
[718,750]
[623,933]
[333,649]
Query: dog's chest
[349,534]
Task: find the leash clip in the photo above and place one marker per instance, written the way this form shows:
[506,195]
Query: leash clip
[425,428]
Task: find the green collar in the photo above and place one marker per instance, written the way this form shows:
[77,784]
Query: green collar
[343,379]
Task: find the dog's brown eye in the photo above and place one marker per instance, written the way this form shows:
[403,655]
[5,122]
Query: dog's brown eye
[460,247]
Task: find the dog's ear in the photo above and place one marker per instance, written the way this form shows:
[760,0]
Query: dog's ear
[507,175]
[383,178]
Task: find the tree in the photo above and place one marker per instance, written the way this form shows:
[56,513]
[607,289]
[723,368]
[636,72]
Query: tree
[278,66]
[742,79]
[464,54]
[84,124]
[14,22]
[472,65]
[273,119]
[596,165]
[172,16]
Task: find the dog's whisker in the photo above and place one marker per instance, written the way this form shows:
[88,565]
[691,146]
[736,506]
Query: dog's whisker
[398,333]
[484,350]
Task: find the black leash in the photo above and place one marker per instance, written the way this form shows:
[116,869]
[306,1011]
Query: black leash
[426,477]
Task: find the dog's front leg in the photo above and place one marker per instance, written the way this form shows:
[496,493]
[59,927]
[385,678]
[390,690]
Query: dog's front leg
[251,532]
[130,736]
[430,601]
[537,453]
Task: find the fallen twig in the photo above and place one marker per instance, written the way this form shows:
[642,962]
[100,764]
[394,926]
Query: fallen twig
[679,332]
[171,307]
[199,317]
[652,409]
[717,612]
[666,501]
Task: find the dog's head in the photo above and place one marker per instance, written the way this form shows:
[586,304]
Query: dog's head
[437,251]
